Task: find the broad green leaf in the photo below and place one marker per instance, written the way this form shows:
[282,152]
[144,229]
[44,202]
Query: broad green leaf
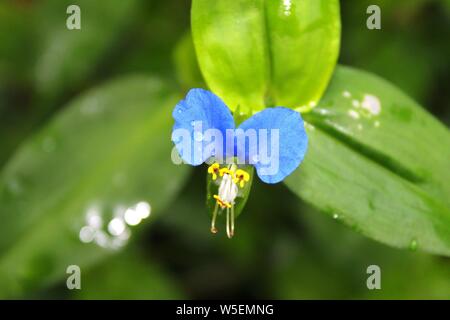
[257,53]
[67,57]
[109,150]
[378,162]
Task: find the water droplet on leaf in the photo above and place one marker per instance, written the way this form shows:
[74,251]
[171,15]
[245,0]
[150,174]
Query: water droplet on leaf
[346,94]
[413,245]
[371,104]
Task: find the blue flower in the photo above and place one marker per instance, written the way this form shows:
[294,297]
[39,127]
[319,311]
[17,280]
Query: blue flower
[274,141]
[204,108]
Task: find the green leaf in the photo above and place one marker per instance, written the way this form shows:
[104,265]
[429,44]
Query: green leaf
[378,162]
[68,57]
[108,150]
[257,53]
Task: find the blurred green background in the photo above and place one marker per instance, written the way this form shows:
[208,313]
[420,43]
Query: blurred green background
[283,248]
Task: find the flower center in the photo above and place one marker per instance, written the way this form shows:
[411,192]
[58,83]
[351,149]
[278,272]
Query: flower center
[229,179]
[228,191]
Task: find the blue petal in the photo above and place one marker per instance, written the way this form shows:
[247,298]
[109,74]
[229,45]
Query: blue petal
[290,140]
[200,111]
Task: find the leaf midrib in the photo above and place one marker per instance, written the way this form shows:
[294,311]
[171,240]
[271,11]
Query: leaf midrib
[407,176]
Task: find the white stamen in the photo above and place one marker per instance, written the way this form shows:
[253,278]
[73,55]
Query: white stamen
[228,190]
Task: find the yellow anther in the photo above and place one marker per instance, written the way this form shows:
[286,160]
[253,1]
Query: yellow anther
[221,203]
[241,177]
[214,170]
[225,171]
